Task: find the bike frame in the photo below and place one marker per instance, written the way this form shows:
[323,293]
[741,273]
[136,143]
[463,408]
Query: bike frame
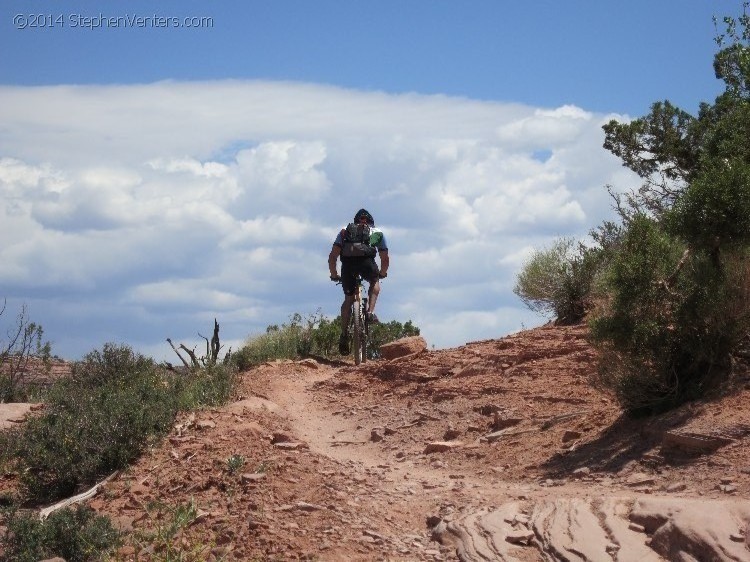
[359,326]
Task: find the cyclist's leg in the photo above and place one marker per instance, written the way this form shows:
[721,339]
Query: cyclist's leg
[371,272]
[346,312]
[348,284]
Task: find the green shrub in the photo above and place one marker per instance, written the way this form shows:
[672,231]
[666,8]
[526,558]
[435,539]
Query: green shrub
[558,280]
[89,430]
[667,331]
[212,385]
[73,534]
[315,335]
[326,336]
[286,342]
[678,303]
[115,404]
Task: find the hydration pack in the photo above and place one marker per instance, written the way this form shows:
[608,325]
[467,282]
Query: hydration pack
[356,241]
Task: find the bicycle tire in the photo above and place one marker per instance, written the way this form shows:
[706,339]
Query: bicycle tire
[357,334]
[364,338]
[365,330]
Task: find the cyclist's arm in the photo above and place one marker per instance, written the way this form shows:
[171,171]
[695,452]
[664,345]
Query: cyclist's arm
[332,258]
[384,262]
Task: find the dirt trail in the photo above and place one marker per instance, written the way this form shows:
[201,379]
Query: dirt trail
[492,519]
[496,450]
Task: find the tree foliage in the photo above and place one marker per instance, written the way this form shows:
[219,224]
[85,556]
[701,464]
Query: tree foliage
[678,301]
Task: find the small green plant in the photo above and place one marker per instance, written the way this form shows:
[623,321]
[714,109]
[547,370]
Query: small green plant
[264,467]
[70,533]
[169,522]
[235,463]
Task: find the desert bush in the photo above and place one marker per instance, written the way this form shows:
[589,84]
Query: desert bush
[314,335]
[326,336]
[283,342]
[557,280]
[714,210]
[212,385]
[115,404]
[22,343]
[95,422]
[70,533]
[667,333]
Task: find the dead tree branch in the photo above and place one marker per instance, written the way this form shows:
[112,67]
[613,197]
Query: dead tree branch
[213,346]
[178,354]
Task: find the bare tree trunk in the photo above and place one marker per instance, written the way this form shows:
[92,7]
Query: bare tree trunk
[178,354]
[212,350]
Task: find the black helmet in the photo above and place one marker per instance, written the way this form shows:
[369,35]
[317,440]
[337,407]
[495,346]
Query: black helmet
[364,213]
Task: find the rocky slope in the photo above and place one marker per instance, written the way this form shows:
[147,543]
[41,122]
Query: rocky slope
[496,450]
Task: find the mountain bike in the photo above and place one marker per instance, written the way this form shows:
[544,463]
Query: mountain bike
[359,325]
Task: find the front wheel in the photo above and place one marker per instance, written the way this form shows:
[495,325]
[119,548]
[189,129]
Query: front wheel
[358,335]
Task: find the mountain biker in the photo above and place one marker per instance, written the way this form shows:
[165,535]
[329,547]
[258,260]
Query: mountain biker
[358,258]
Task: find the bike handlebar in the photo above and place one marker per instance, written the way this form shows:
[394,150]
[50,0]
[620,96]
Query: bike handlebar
[338,280]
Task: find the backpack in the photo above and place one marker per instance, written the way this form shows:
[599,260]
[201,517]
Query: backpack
[356,241]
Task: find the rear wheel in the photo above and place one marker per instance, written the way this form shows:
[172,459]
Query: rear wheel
[358,334]
[363,341]
[365,330]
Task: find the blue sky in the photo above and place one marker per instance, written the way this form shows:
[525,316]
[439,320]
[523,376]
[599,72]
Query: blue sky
[153,177]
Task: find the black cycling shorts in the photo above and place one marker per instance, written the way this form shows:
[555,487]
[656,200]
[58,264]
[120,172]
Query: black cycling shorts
[350,267]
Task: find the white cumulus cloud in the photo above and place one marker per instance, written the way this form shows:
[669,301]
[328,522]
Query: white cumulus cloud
[137,212]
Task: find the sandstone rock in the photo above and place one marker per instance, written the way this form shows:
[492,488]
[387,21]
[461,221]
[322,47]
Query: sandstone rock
[13,413]
[205,424]
[570,435]
[403,347]
[451,433]
[698,526]
[639,479]
[501,422]
[311,363]
[441,446]
[290,446]
[693,442]
[519,537]
[253,404]
[281,437]
[252,477]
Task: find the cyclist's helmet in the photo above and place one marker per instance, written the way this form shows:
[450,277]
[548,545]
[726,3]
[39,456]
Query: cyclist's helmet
[364,213]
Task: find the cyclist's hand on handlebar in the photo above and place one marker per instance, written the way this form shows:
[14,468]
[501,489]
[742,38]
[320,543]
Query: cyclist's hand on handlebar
[335,277]
[383,275]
